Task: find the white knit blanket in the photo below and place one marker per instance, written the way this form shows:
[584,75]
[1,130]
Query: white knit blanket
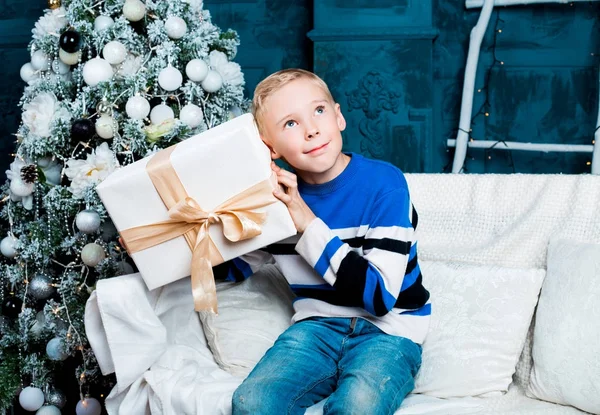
[154,341]
[502,219]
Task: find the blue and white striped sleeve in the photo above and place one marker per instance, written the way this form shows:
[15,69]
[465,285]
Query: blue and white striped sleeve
[371,279]
[240,268]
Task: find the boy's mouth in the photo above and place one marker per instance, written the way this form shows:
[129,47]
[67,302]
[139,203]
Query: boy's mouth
[316,149]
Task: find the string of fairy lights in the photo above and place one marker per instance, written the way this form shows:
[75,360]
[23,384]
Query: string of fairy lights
[485,107]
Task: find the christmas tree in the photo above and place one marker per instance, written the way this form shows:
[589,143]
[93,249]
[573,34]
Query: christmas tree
[109,82]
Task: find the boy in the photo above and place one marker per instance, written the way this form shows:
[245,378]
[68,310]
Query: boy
[361,311]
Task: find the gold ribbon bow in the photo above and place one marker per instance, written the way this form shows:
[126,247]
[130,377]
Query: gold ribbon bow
[236,215]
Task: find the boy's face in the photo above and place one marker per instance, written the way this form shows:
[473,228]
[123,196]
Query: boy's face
[302,126]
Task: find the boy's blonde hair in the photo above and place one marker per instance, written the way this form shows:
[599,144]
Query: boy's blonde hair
[273,83]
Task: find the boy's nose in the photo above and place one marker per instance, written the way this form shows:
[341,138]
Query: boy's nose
[312,133]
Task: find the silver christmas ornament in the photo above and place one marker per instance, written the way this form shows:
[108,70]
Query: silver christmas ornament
[56,397]
[88,221]
[7,247]
[55,349]
[92,254]
[104,107]
[40,287]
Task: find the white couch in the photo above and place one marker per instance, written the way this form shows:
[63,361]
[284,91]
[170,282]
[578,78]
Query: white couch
[483,243]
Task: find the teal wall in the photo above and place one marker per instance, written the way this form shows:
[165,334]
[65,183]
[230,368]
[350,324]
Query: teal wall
[397,67]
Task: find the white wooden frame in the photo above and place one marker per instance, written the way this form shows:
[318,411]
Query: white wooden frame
[462,141]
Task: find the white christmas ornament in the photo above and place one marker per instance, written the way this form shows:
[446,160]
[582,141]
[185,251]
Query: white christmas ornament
[134,10]
[55,349]
[137,107]
[191,115]
[170,78]
[102,23]
[31,399]
[92,254]
[114,52]
[7,246]
[28,72]
[39,60]
[106,126]
[69,58]
[48,410]
[97,70]
[161,113]
[196,70]
[60,67]
[213,81]
[88,406]
[88,221]
[175,27]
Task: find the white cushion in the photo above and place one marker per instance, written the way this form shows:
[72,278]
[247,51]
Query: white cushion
[252,314]
[566,364]
[480,316]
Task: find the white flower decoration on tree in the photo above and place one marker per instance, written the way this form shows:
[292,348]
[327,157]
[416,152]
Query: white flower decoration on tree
[85,173]
[39,113]
[229,71]
[51,22]
[16,182]
[129,67]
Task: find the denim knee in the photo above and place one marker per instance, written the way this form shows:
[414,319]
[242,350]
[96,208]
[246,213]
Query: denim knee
[364,398]
[255,399]
[245,400]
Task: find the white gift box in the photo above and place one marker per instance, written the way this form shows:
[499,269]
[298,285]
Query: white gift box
[213,166]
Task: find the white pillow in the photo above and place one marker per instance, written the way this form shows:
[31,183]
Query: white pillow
[566,339]
[479,321]
[252,314]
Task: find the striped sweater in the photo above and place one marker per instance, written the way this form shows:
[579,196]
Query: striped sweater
[359,257]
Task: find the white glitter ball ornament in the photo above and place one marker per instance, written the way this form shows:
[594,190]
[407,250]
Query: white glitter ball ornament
[196,70]
[191,115]
[175,27]
[137,107]
[170,78]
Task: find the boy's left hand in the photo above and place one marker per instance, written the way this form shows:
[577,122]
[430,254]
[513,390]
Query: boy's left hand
[299,210]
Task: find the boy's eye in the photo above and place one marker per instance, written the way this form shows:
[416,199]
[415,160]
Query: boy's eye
[320,109]
[290,123]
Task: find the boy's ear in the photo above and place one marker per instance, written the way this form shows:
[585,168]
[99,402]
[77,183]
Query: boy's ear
[341,121]
[274,155]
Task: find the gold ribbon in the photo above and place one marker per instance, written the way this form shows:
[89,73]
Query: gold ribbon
[236,215]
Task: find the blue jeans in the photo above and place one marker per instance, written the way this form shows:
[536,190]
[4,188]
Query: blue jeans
[361,369]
